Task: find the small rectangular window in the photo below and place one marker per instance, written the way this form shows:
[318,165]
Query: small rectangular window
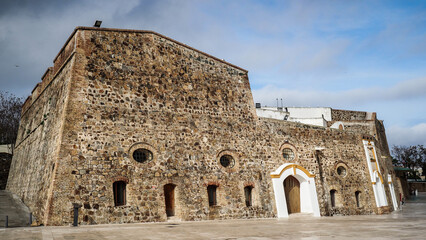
[247,193]
[211,190]
[357,193]
[119,188]
[333,198]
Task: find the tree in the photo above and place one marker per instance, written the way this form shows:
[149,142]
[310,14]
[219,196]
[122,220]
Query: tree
[412,157]
[423,162]
[10,115]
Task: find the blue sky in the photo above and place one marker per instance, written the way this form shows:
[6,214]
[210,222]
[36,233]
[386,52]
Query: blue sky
[360,55]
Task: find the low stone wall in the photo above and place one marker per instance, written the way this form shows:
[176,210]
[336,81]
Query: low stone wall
[420,186]
[346,115]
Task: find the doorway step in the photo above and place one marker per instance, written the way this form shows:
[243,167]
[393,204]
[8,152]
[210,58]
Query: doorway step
[173,219]
[300,215]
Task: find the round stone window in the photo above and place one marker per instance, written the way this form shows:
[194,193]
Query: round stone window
[142,155]
[341,170]
[227,161]
[288,154]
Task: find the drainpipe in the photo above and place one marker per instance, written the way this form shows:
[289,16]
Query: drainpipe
[321,175]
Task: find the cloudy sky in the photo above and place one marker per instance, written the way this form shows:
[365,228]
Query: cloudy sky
[359,55]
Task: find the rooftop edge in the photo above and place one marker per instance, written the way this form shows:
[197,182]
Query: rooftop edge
[142,31]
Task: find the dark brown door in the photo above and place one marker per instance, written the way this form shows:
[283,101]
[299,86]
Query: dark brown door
[169,195]
[292,194]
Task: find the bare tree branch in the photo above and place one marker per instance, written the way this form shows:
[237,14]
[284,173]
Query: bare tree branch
[412,157]
[10,115]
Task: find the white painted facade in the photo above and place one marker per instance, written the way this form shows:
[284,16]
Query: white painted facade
[310,112]
[392,191]
[311,121]
[338,125]
[308,192]
[271,112]
[375,175]
[306,115]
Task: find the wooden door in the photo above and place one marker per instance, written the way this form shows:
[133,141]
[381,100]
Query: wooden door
[292,194]
[169,197]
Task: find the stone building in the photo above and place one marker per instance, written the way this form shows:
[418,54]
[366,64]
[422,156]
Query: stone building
[137,127]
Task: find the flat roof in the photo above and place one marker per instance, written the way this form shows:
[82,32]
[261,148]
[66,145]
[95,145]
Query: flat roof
[403,169]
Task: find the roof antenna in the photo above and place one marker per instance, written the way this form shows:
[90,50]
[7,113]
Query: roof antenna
[97,23]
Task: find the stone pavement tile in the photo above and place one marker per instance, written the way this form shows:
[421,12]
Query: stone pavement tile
[13,207]
[406,224]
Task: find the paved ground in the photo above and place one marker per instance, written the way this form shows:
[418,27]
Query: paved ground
[12,206]
[410,223]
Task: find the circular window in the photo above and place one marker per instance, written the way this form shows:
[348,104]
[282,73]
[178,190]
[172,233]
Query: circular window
[142,155]
[341,171]
[227,161]
[288,154]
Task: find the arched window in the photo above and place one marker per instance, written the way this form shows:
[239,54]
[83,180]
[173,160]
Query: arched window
[211,190]
[333,198]
[247,193]
[119,188]
[357,195]
[288,154]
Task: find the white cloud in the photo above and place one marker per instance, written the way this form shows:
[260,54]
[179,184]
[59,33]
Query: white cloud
[414,135]
[32,34]
[404,90]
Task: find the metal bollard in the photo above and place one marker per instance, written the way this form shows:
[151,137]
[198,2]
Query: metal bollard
[31,219]
[76,207]
[7,222]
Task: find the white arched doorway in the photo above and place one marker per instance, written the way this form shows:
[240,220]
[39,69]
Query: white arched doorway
[308,192]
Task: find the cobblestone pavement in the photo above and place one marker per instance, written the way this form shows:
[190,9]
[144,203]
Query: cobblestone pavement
[409,223]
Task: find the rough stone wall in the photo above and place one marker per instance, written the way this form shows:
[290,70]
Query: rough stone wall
[169,103]
[420,186]
[339,148]
[134,88]
[359,127]
[372,129]
[381,136]
[402,183]
[187,108]
[5,160]
[37,144]
[346,115]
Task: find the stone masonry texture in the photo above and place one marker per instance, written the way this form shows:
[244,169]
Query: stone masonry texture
[111,91]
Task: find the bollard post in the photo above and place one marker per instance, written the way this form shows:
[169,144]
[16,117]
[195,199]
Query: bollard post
[31,218]
[7,222]
[76,207]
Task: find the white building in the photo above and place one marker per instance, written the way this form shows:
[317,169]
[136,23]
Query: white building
[317,116]
[6,148]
